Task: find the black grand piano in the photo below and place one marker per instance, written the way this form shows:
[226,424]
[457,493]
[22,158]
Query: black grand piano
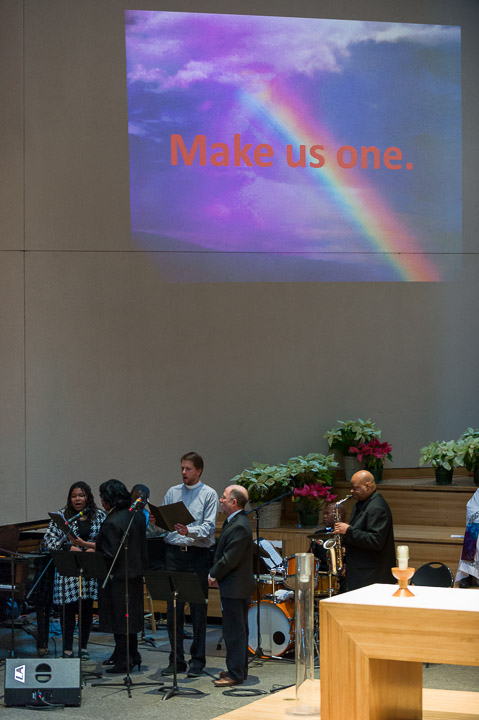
[24,540]
[21,565]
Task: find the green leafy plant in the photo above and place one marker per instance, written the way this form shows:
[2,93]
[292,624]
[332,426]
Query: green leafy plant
[446,454]
[263,482]
[351,433]
[469,444]
[312,468]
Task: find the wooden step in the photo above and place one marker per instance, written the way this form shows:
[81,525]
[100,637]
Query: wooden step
[437,705]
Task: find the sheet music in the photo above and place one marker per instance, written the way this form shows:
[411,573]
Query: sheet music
[274,559]
[62,524]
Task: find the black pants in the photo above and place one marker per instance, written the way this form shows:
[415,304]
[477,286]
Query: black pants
[43,625]
[119,653]
[235,635]
[71,610]
[195,560]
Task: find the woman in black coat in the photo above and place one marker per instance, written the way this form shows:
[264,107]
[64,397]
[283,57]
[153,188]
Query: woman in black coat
[115,499]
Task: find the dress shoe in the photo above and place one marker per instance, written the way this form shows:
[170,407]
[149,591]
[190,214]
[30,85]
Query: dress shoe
[193,672]
[465,582]
[118,669]
[224,673]
[170,670]
[227,682]
[110,661]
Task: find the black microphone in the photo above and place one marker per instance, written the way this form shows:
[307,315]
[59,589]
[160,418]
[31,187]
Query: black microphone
[82,513]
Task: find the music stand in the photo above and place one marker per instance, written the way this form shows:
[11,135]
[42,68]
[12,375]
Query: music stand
[83,565]
[175,586]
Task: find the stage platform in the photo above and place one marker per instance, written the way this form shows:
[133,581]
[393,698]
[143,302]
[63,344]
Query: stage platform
[437,705]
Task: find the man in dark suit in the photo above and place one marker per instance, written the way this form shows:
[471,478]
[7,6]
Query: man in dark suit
[232,569]
[369,537]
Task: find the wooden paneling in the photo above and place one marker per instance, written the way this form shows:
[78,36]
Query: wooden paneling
[417,503]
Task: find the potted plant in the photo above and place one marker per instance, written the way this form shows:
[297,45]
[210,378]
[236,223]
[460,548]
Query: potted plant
[350,433]
[312,468]
[309,499]
[469,443]
[311,477]
[373,454]
[264,483]
[444,456]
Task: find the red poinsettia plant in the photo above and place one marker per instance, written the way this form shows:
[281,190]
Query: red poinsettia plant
[312,497]
[374,453]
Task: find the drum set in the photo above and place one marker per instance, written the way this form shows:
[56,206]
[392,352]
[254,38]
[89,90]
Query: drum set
[275,596]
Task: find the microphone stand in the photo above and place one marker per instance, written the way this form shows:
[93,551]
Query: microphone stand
[259,653]
[127,683]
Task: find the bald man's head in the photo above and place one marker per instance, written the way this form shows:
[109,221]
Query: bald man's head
[240,494]
[234,498]
[362,485]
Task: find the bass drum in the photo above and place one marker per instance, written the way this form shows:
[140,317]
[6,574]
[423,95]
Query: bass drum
[276,627]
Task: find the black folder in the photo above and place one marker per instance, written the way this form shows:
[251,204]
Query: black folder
[167,516]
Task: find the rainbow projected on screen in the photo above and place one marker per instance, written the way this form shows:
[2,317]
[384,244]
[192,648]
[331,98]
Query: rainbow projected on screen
[289,149]
[381,229]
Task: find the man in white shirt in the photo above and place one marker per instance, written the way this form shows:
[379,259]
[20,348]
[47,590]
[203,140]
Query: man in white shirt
[188,550]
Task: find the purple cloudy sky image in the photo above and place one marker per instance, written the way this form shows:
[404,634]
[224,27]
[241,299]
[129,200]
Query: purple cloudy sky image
[291,81]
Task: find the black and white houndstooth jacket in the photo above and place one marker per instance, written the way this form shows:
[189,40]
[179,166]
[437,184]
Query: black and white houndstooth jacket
[53,541]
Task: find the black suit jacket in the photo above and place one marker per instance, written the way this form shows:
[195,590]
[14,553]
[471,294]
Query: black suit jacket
[233,560]
[369,543]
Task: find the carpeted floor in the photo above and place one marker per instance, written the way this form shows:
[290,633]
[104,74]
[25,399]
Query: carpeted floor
[112,703]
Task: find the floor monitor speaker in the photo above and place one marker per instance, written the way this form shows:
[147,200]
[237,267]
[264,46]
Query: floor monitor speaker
[41,682]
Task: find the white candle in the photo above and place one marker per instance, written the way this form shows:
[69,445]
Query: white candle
[402,554]
[305,574]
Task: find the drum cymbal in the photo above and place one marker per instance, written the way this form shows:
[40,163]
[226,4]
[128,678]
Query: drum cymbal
[320,535]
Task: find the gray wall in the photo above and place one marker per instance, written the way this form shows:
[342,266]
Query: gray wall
[106,371]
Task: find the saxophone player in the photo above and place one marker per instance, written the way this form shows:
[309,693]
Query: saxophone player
[325,533]
[369,537]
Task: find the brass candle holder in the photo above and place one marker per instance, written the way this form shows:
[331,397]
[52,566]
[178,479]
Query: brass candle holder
[402,576]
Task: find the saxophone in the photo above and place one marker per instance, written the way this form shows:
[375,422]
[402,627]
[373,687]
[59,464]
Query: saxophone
[333,546]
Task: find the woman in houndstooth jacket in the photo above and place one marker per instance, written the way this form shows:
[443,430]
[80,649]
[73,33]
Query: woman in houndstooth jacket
[80,498]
